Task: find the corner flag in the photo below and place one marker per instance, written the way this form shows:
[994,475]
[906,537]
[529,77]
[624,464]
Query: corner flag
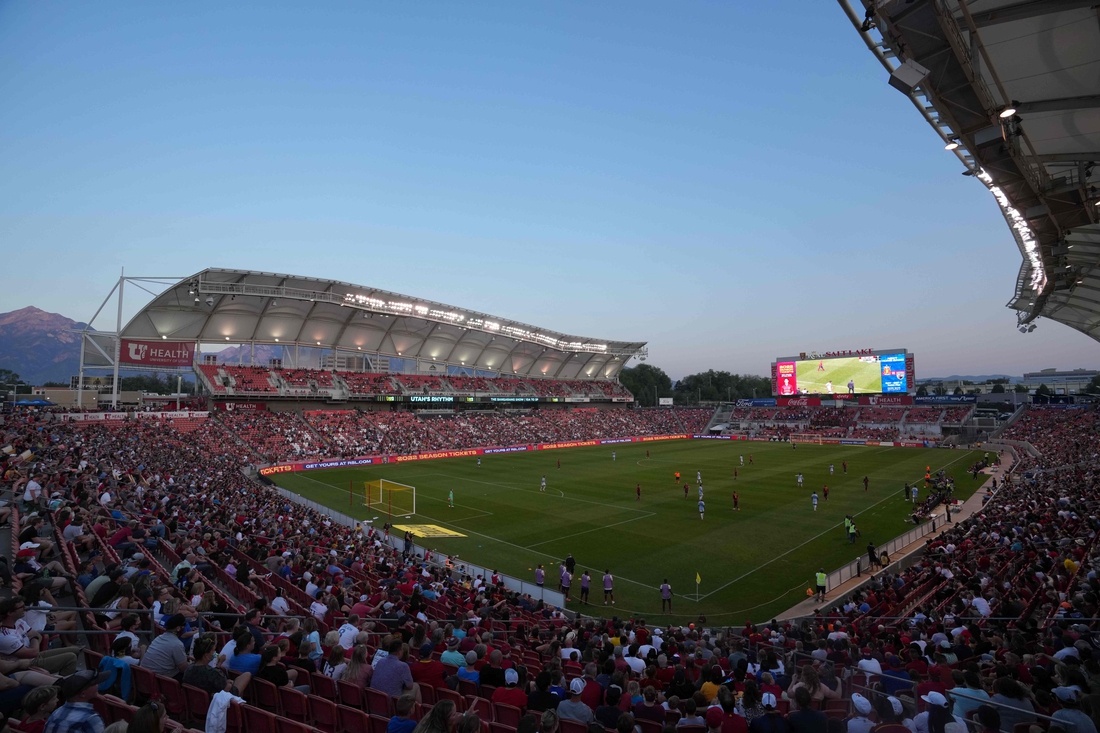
[698,579]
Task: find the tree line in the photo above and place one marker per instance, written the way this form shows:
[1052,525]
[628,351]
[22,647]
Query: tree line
[648,383]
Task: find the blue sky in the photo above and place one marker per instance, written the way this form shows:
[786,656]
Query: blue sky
[729,181]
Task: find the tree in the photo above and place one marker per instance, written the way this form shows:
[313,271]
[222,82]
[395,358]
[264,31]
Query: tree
[8,378]
[940,389]
[643,379]
[998,388]
[715,386]
[1020,389]
[1043,391]
[1094,385]
[958,390]
[922,391]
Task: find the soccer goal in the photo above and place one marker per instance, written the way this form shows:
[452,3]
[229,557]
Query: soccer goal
[390,497]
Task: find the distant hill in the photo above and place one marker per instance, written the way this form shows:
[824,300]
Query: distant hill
[39,346]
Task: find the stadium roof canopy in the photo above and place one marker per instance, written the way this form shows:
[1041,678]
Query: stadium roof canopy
[1016,85]
[243,307]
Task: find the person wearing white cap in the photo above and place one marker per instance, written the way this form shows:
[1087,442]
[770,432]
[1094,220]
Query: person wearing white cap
[1070,718]
[860,723]
[771,721]
[938,716]
[573,708]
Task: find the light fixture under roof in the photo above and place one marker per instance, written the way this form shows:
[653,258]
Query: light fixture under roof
[163,337]
[276,340]
[952,144]
[1008,111]
[226,338]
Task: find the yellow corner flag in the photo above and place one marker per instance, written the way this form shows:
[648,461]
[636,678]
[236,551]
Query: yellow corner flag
[698,579]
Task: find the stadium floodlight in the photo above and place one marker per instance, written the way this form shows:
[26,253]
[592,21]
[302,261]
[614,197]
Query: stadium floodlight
[908,76]
[197,300]
[952,144]
[210,300]
[1008,111]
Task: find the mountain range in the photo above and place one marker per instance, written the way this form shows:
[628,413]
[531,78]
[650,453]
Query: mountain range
[39,346]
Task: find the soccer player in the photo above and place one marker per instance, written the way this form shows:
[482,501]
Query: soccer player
[742,460]
[830,469]
[825,491]
[829,386]
[639,490]
[647,454]
[540,576]
[613,455]
[451,498]
[566,581]
[914,494]
[559,464]
[735,500]
[698,477]
[542,486]
[735,474]
[666,596]
[813,499]
[562,572]
[844,465]
[685,491]
[479,463]
[608,587]
[702,508]
[700,492]
[586,579]
[821,366]
[798,476]
[677,479]
[864,483]
[750,459]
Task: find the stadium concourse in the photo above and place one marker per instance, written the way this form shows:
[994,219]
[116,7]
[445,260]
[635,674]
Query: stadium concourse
[235,610]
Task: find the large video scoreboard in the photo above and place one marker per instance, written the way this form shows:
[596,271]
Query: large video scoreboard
[866,371]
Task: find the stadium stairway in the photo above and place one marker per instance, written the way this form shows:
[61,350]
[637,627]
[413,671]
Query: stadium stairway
[810,605]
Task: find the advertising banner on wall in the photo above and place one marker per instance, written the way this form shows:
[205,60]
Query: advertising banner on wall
[239,406]
[157,353]
[885,400]
[798,401]
[946,399]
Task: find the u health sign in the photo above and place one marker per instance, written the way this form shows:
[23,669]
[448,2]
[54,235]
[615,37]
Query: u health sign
[157,353]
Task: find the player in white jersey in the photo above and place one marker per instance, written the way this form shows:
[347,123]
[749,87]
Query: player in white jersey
[698,477]
[700,492]
[479,463]
[702,508]
[742,460]
[830,469]
[798,477]
[829,386]
[542,487]
[813,498]
[613,455]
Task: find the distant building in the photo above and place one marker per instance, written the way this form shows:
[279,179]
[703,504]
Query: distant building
[1061,382]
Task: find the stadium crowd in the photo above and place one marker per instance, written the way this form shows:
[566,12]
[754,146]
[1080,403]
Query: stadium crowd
[269,615]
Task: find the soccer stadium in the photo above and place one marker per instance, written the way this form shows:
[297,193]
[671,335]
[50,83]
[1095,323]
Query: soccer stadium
[375,512]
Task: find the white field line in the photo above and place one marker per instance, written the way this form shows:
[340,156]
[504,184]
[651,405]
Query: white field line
[536,491]
[594,529]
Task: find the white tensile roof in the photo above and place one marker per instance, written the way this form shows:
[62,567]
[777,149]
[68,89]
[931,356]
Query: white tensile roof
[245,307]
[1040,58]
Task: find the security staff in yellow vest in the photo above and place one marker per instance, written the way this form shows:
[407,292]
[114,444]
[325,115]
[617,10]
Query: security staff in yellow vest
[821,580]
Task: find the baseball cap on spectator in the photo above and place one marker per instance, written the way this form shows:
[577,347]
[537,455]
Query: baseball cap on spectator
[511,677]
[76,683]
[862,704]
[1066,694]
[715,717]
[934,698]
[453,641]
[175,622]
[426,650]
[896,705]
[767,700]
[576,687]
[26,553]
[865,651]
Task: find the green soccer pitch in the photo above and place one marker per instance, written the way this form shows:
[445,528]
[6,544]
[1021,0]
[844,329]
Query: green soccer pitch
[754,563]
[866,375]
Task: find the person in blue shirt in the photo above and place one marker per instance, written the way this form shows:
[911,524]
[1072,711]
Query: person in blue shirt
[401,722]
[245,659]
[894,677]
[468,672]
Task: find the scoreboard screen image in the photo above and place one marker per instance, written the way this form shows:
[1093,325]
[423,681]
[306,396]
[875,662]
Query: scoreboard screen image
[877,374]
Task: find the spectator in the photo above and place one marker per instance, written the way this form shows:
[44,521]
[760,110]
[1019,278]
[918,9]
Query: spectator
[77,714]
[401,722]
[771,721]
[574,708]
[510,694]
[166,655]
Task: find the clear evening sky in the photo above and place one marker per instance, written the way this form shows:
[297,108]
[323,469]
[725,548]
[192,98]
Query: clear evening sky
[730,181]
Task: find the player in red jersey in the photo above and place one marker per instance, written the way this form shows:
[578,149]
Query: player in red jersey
[750,459]
[735,474]
[844,465]
[735,500]
[639,490]
[864,483]
[825,491]
[821,366]
[685,491]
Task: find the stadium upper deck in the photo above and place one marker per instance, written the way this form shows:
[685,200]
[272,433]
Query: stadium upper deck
[344,322]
